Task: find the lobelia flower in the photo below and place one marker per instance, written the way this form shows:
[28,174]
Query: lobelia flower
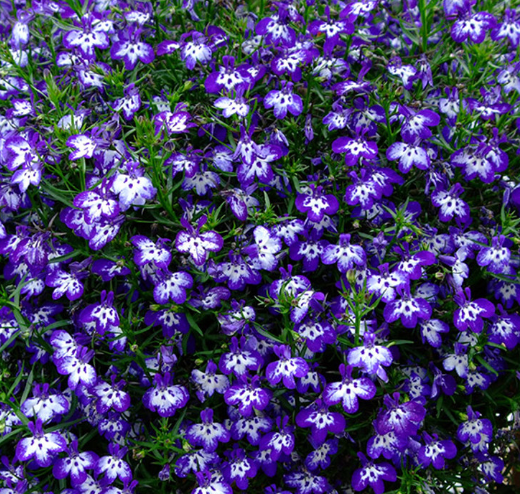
[472,25]
[164,397]
[76,366]
[42,447]
[284,100]
[408,309]
[505,329]
[103,315]
[46,404]
[509,28]
[195,460]
[251,427]
[475,163]
[68,284]
[344,254]
[229,77]
[129,48]
[475,432]
[176,122]
[409,153]
[239,468]
[320,420]
[388,444]
[208,382]
[97,204]
[355,148]
[133,188]
[171,286]
[92,35]
[259,166]
[407,73]
[457,360]
[470,313]
[239,359]
[497,257]
[286,368]
[371,358]
[264,249]
[237,105]
[247,396]
[315,203]
[208,433]
[75,464]
[195,243]
[451,204]
[309,250]
[147,251]
[111,395]
[306,482]
[404,419]
[318,334]
[208,484]
[113,465]
[281,442]
[372,474]
[202,182]
[435,451]
[237,319]
[348,390]
[308,299]
[276,29]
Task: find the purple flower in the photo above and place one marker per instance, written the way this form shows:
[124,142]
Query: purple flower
[111,396]
[348,390]
[208,433]
[260,166]
[265,247]
[457,361]
[287,368]
[321,421]
[92,35]
[197,244]
[355,148]
[284,100]
[229,77]
[75,464]
[46,404]
[505,329]
[164,397]
[76,366]
[370,357]
[435,451]
[251,427]
[279,442]
[472,25]
[470,313]
[509,28]
[113,465]
[431,330]
[133,188]
[276,29]
[345,254]
[172,286]
[239,359]
[177,122]
[130,48]
[404,419]
[147,251]
[102,315]
[451,204]
[315,203]
[388,444]
[208,484]
[247,396]
[496,258]
[409,154]
[475,432]
[407,73]
[372,474]
[408,309]
[41,447]
[239,468]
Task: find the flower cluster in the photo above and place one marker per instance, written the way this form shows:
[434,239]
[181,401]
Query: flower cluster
[259,246]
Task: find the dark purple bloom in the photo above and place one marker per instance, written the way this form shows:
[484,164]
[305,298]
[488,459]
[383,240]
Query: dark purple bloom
[75,464]
[370,357]
[372,474]
[129,48]
[348,390]
[41,447]
[355,148]
[286,368]
[284,100]
[164,397]
[475,432]
[208,433]
[404,419]
[435,451]
[113,465]
[470,313]
[320,420]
